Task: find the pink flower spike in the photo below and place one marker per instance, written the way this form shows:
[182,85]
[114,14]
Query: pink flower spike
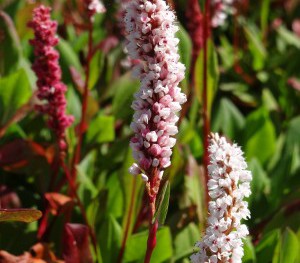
[46,67]
[151,29]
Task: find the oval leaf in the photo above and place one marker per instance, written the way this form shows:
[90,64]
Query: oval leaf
[20,215]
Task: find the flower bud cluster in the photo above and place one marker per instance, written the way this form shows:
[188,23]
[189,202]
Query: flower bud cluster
[229,183]
[151,40]
[46,67]
[221,10]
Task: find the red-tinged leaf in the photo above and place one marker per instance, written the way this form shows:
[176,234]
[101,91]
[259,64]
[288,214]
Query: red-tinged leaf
[294,83]
[107,44]
[20,153]
[77,79]
[21,215]
[8,198]
[76,244]
[58,202]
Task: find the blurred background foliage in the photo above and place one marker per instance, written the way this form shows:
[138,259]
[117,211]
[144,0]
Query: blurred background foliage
[254,92]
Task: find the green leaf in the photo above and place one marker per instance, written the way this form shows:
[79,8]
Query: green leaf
[289,37]
[21,215]
[123,88]
[110,239]
[14,92]
[10,47]
[132,191]
[68,58]
[264,15]
[287,248]
[266,247]
[260,185]
[101,129]
[249,252]
[96,67]
[85,176]
[162,204]
[185,240]
[136,247]
[185,51]
[260,137]
[194,189]
[212,75]
[226,53]
[256,46]
[227,119]
[115,202]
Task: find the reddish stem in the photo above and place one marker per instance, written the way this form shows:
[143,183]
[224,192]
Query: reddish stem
[206,120]
[152,189]
[128,222]
[82,125]
[151,243]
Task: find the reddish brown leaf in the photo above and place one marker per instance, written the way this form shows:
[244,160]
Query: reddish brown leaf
[58,202]
[20,153]
[21,215]
[42,251]
[39,253]
[77,79]
[76,244]
[107,44]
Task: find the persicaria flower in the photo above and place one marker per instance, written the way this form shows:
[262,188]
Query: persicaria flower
[51,90]
[228,185]
[151,40]
[94,7]
[221,10]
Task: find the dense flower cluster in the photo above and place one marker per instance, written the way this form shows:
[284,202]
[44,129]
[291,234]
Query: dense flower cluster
[151,39]
[46,66]
[221,10]
[228,185]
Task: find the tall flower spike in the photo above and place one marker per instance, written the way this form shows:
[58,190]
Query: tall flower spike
[228,185]
[50,88]
[151,39]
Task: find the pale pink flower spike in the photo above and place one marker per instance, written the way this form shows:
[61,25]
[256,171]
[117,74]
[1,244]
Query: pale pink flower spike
[151,29]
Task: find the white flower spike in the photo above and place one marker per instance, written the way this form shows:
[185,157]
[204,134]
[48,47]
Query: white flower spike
[229,183]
